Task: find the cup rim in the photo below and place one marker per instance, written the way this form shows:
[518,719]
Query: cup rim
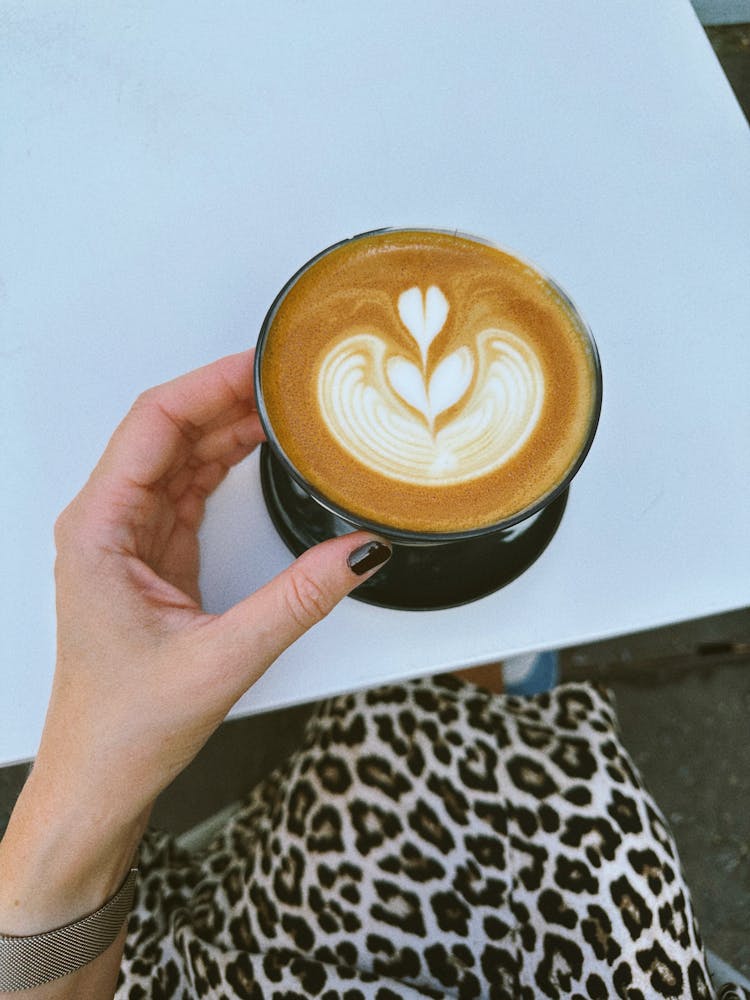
[402,534]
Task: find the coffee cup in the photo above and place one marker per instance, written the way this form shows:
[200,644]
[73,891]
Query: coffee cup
[430,387]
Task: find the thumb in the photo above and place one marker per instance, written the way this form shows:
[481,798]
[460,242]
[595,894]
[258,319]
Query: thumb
[272,618]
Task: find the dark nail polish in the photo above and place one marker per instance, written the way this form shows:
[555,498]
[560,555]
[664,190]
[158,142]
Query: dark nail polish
[368,556]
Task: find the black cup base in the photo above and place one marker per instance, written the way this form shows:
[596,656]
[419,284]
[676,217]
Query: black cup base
[417,577]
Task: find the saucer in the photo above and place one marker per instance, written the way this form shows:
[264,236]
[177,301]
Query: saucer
[417,577]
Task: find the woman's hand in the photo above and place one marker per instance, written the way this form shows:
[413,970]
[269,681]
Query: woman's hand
[144,675]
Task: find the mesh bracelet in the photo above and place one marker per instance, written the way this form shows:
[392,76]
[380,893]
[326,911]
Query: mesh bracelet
[35,959]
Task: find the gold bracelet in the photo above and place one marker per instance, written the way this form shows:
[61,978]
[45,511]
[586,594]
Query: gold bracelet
[36,959]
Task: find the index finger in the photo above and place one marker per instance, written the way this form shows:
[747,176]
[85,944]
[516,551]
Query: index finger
[167,420]
[203,395]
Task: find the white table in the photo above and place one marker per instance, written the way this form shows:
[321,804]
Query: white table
[166,167]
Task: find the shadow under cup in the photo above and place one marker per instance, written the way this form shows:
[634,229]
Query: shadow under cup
[427,571]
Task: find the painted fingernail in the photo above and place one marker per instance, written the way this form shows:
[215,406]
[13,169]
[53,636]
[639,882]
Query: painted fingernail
[368,556]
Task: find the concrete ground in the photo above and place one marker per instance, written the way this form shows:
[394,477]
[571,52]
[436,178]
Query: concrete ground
[684,703]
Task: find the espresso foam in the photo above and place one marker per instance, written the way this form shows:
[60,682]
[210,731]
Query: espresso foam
[384,410]
[427,382]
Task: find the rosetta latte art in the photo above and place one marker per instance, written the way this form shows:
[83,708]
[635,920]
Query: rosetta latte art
[384,409]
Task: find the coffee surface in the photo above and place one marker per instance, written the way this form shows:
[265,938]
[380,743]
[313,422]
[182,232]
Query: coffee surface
[427,381]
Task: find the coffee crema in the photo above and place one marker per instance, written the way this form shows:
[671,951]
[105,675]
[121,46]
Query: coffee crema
[428,382]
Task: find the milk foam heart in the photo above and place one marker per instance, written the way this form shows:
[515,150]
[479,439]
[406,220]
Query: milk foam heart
[384,408]
[423,316]
[446,386]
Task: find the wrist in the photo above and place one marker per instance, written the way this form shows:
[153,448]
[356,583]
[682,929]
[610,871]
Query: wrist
[61,858]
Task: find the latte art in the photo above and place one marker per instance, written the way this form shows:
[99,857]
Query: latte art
[426,382]
[385,409]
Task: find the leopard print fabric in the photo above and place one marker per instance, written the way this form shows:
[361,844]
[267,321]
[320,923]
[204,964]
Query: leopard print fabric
[428,840]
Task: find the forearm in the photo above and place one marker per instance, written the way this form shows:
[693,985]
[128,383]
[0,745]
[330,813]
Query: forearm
[60,859]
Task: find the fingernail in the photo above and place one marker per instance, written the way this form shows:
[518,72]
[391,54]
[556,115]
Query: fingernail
[368,556]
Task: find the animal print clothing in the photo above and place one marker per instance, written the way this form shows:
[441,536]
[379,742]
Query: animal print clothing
[428,840]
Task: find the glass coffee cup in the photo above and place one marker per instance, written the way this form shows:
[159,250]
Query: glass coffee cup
[425,371]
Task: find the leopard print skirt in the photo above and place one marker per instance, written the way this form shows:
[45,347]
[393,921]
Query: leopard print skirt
[428,840]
